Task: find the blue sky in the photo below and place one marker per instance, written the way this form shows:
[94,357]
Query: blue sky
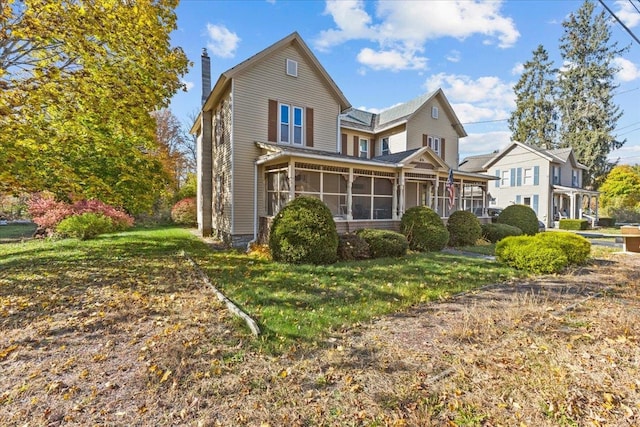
[381,53]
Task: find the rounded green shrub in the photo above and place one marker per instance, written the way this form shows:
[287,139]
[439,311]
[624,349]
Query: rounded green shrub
[352,247]
[303,232]
[526,253]
[424,229]
[575,247]
[520,216]
[184,212]
[85,226]
[495,232]
[464,228]
[384,243]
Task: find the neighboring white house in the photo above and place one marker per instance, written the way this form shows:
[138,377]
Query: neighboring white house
[548,181]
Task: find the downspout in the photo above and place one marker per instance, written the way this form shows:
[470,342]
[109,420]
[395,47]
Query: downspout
[255,206]
[338,142]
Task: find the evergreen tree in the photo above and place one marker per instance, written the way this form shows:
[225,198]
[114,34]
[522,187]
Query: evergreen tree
[586,85]
[533,121]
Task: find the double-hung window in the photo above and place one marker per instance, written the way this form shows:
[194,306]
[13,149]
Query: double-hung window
[506,179]
[384,149]
[528,176]
[363,148]
[291,125]
[434,144]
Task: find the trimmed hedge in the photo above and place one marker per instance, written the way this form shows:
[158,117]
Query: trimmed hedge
[604,221]
[303,232]
[384,243]
[352,247]
[496,232]
[520,216]
[85,226]
[464,228]
[424,229]
[544,253]
[573,224]
[575,247]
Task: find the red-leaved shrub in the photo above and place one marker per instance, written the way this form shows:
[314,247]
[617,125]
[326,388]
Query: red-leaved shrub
[184,212]
[47,213]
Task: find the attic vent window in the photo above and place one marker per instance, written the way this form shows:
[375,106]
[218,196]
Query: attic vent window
[434,112]
[292,68]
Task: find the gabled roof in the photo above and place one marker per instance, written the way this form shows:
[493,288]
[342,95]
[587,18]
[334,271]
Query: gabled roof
[394,116]
[475,163]
[559,155]
[292,39]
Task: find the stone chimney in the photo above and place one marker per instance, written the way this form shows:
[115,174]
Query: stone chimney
[206,75]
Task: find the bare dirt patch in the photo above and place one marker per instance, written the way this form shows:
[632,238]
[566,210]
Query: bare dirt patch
[161,350]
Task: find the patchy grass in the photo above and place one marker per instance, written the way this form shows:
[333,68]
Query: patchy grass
[488,250]
[119,331]
[303,304]
[16,232]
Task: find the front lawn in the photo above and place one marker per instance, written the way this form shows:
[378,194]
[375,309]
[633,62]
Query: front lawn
[293,304]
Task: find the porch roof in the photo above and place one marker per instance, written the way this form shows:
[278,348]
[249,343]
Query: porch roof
[393,161]
[571,190]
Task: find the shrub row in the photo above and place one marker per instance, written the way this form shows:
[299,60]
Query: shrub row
[424,229]
[83,219]
[543,253]
[573,224]
[495,232]
[520,216]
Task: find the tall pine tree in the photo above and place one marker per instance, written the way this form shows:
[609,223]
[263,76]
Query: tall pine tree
[533,121]
[586,85]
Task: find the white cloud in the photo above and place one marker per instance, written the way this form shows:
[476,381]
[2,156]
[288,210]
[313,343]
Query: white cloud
[517,69]
[628,70]
[483,94]
[627,13]
[454,56]
[378,110]
[391,60]
[483,143]
[188,85]
[222,43]
[402,28]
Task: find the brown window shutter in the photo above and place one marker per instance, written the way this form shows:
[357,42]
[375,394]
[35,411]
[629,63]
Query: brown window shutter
[344,143]
[372,149]
[425,141]
[309,130]
[355,146]
[442,148]
[272,133]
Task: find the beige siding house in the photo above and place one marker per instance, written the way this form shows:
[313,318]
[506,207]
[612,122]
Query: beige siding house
[276,127]
[548,181]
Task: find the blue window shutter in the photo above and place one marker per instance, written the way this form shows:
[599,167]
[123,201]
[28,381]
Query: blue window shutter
[512,182]
[519,178]
[498,180]
[536,175]
[535,203]
[517,200]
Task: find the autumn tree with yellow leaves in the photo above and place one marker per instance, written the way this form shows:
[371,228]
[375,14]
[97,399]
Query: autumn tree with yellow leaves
[79,80]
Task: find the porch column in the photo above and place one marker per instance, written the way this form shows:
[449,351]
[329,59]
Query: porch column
[394,200]
[292,180]
[435,205]
[349,195]
[572,206]
[596,213]
[401,189]
[461,194]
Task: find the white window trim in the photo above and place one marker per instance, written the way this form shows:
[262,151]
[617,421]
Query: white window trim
[524,176]
[291,124]
[505,179]
[360,151]
[292,68]
[434,143]
[434,112]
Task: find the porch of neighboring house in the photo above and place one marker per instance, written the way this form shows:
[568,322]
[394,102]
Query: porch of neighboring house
[365,197]
[575,203]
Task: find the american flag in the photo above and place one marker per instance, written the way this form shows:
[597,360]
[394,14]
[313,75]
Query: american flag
[451,189]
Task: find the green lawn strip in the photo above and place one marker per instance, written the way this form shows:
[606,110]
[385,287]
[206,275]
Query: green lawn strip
[16,232]
[489,250]
[303,305]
